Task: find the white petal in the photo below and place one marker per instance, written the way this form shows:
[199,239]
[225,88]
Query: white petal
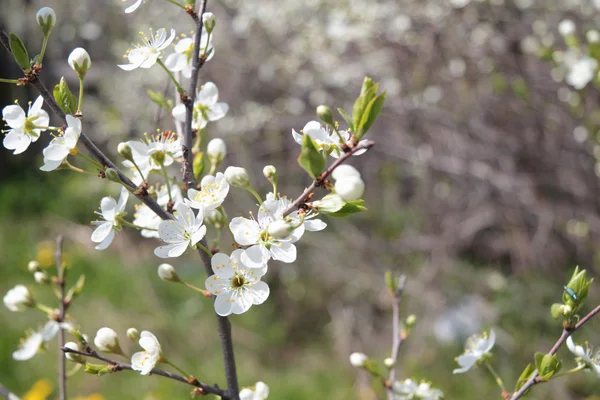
[221,266]
[122,200]
[50,165]
[171,250]
[179,112]
[101,232]
[466,361]
[14,116]
[297,137]
[169,231]
[260,292]
[491,341]
[198,235]
[314,225]
[133,7]
[108,208]
[36,106]
[240,302]
[56,152]
[245,231]
[223,304]
[107,241]
[17,140]
[217,111]
[176,62]
[208,95]
[283,251]
[256,256]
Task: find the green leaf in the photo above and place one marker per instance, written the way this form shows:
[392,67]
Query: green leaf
[370,115]
[64,97]
[329,204]
[547,366]
[351,207]
[198,165]
[348,118]
[525,376]
[360,105]
[310,158]
[390,282]
[159,99]
[19,52]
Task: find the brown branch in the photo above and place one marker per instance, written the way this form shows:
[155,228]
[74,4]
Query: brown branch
[563,337]
[124,366]
[86,141]
[60,282]
[321,178]
[397,338]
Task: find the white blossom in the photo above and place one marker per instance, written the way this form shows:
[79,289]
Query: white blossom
[107,340]
[216,150]
[477,347]
[566,27]
[409,389]
[134,6]
[152,152]
[145,361]
[585,355]
[18,299]
[146,54]
[46,17]
[581,72]
[61,146]
[110,211]
[260,392]
[146,218]
[324,139]
[255,233]
[236,286]
[166,272]
[237,176]
[181,59]
[35,341]
[212,194]
[206,107]
[358,360]
[25,129]
[78,358]
[184,230]
[80,61]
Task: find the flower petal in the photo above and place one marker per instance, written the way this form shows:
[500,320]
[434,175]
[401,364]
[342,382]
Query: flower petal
[107,241]
[256,256]
[245,231]
[283,251]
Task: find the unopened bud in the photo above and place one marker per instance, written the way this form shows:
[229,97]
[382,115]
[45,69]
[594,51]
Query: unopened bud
[389,362]
[237,176]
[325,114]
[33,266]
[133,334]
[125,151]
[166,272]
[41,277]
[106,340]
[78,358]
[112,175]
[46,18]
[209,21]
[358,360]
[270,172]
[280,229]
[216,150]
[344,171]
[97,369]
[18,299]
[80,61]
[350,188]
[410,321]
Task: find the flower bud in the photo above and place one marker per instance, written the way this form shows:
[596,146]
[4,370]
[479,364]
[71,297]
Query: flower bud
[216,150]
[112,175]
[133,334]
[41,277]
[344,171]
[388,362]
[280,229]
[358,360]
[166,272]
[325,114]
[33,266]
[237,176]
[270,172]
[350,188]
[125,151]
[106,340]
[209,21]
[78,358]
[80,61]
[46,18]
[18,299]
[410,321]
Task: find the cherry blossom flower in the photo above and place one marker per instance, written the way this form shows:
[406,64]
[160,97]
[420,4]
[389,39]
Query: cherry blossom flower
[111,211]
[134,6]
[263,246]
[18,299]
[325,140]
[147,218]
[206,107]
[213,193]
[145,361]
[36,340]
[154,151]
[409,389]
[61,146]
[107,340]
[181,59]
[477,348]
[260,392]
[25,129]
[184,230]
[584,355]
[236,286]
[145,55]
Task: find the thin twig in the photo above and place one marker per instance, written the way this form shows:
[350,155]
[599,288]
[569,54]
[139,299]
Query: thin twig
[62,368]
[321,178]
[563,337]
[86,141]
[397,338]
[7,394]
[124,366]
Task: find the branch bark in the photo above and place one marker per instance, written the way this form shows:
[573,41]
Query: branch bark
[62,374]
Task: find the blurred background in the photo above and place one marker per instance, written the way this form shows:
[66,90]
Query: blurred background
[483,189]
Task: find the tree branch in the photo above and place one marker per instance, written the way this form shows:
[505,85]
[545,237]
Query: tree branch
[397,338]
[321,178]
[62,374]
[7,394]
[563,337]
[124,366]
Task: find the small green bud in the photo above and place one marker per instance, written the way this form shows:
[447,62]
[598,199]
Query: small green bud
[112,175]
[80,337]
[46,18]
[410,321]
[325,114]
[133,334]
[124,151]
[80,61]
[270,172]
[33,266]
[209,21]
[166,272]
[358,360]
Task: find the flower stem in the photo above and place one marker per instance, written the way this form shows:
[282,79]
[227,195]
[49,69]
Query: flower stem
[44,44]
[204,249]
[164,171]
[206,47]
[129,224]
[44,308]
[571,371]
[80,101]
[195,288]
[342,141]
[256,195]
[94,162]
[74,168]
[182,372]
[2,80]
[177,4]
[495,375]
[180,90]
[138,169]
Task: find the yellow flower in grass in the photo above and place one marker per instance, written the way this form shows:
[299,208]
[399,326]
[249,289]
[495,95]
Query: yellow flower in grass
[39,391]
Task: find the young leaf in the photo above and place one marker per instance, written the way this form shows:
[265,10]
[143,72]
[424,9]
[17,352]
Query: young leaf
[19,51]
[310,158]
[351,207]
[348,118]
[329,204]
[198,165]
[159,99]
[525,376]
[360,106]
[548,366]
[64,97]
[370,115]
